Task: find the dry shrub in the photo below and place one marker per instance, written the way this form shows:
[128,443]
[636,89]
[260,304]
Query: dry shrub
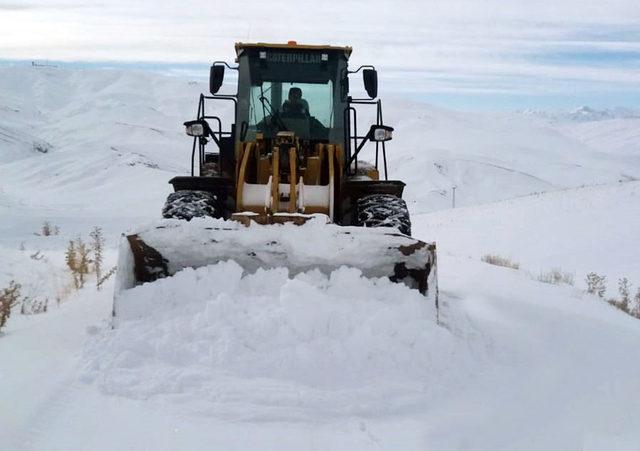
[78,261]
[635,310]
[556,276]
[9,297]
[596,284]
[624,302]
[85,258]
[498,260]
[97,246]
[49,229]
[34,306]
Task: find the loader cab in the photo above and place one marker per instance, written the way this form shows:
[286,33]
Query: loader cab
[291,88]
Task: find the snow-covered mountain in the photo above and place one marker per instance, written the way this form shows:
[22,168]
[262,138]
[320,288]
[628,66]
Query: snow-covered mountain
[230,361]
[87,131]
[584,113]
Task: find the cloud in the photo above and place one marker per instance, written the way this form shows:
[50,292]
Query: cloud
[488,46]
[13,6]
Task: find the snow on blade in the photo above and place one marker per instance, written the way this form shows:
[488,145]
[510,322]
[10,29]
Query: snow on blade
[171,245]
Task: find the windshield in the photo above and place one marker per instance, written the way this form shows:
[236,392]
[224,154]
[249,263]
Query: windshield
[305,108]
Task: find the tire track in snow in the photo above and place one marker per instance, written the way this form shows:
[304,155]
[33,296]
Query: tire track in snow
[52,409]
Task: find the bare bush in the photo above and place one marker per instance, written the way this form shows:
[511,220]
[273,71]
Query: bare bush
[46,229]
[624,289]
[500,261]
[624,301]
[71,260]
[34,306]
[9,297]
[83,259]
[556,276]
[78,261]
[49,229]
[635,310]
[596,284]
[97,246]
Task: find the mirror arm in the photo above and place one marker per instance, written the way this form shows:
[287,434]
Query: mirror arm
[217,63]
[368,66]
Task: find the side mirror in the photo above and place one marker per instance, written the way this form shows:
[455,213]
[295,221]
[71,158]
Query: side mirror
[379,133]
[197,128]
[370,77]
[216,76]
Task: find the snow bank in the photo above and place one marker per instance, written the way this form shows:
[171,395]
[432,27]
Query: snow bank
[589,229]
[264,343]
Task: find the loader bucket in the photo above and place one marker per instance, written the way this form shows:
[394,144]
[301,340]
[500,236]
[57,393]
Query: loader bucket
[165,248]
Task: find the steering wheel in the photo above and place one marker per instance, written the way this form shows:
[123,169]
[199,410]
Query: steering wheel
[278,119]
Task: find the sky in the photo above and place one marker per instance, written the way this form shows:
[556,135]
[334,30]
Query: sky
[480,54]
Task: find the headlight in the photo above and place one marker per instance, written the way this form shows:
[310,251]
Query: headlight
[195,128]
[381,133]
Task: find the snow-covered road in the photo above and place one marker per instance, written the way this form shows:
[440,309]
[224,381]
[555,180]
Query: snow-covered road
[515,364]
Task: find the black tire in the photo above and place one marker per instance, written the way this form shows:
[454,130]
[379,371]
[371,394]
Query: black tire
[192,204]
[384,210]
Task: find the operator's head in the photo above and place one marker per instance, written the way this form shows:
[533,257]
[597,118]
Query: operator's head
[295,95]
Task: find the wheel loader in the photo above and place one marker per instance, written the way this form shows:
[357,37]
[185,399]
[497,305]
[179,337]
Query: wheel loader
[287,182]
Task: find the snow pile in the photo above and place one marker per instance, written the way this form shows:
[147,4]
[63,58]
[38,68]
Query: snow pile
[264,344]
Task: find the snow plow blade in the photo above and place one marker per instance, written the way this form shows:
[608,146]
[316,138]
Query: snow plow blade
[169,246]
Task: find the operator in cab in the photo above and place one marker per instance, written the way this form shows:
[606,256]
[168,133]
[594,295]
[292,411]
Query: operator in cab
[295,104]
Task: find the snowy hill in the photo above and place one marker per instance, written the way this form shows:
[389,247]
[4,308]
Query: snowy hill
[578,230]
[97,129]
[101,129]
[492,157]
[229,361]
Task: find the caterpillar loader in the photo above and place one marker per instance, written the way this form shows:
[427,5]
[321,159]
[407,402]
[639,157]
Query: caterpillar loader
[286,182]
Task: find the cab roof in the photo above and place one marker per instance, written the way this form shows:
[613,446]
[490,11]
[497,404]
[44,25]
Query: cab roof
[291,45]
